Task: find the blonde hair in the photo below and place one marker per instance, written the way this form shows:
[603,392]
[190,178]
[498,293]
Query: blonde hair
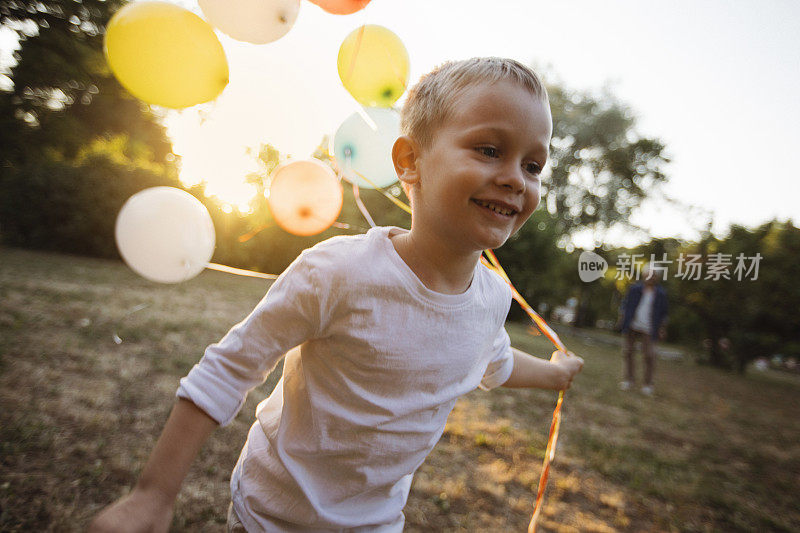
[431,101]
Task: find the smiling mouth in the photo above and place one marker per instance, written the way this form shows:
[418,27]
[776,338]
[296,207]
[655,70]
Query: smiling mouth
[496,208]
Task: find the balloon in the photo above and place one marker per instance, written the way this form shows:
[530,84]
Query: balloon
[252,21]
[341,7]
[165,234]
[373,66]
[369,150]
[305,197]
[165,55]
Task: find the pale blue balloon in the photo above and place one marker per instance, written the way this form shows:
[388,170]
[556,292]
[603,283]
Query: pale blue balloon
[361,149]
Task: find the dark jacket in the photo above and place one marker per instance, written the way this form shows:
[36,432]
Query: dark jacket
[632,301]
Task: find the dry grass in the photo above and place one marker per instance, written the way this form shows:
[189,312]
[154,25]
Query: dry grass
[79,413]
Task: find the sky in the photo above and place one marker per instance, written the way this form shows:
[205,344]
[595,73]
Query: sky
[716,81]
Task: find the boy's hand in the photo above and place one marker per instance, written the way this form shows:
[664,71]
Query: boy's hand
[139,511]
[570,363]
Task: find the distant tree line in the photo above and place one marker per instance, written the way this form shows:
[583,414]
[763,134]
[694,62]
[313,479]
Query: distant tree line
[728,316]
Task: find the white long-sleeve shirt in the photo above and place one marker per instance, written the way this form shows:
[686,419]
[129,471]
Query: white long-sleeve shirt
[379,364]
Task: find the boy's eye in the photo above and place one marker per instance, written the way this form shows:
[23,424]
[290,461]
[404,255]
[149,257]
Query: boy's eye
[488,151]
[533,168]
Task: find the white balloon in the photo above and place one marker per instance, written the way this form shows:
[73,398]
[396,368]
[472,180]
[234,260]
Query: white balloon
[252,21]
[361,149]
[165,234]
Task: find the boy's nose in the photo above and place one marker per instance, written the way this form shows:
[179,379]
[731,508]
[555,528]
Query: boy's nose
[512,178]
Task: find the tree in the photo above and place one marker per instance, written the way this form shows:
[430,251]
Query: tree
[600,168]
[72,206]
[755,312]
[75,144]
[63,93]
[539,269]
[733,296]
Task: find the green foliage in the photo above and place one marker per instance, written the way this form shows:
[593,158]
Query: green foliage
[70,207]
[541,271]
[758,316]
[75,144]
[731,318]
[601,169]
[63,94]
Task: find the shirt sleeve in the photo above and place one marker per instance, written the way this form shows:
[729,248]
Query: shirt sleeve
[289,314]
[502,363]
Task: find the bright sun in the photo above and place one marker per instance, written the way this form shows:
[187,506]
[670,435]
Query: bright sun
[211,154]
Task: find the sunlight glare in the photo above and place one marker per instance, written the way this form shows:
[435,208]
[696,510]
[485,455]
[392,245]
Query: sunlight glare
[213,155]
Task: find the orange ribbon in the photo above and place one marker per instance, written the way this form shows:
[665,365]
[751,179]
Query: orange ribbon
[550,450]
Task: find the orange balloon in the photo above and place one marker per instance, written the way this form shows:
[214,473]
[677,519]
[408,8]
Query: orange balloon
[341,7]
[305,197]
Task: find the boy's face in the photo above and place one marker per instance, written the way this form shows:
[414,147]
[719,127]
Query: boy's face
[479,179]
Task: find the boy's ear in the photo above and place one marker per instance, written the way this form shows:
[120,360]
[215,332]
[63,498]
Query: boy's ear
[405,156]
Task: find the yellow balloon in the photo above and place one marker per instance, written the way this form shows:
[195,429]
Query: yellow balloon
[373,66]
[165,55]
[305,197]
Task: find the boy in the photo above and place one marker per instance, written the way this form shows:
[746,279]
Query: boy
[384,331]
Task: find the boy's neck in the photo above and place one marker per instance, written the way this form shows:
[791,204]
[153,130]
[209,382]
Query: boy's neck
[438,267]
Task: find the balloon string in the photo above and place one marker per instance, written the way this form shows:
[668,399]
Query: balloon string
[356,50]
[365,116]
[538,320]
[250,234]
[555,425]
[549,454]
[356,193]
[399,203]
[403,81]
[135,309]
[240,271]
[362,207]
[395,201]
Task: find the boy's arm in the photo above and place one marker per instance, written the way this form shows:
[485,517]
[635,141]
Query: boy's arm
[149,506]
[533,372]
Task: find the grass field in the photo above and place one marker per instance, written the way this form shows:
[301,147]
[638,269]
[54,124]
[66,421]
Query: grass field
[91,354]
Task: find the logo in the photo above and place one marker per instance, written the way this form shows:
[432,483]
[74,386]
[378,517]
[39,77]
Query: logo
[591,266]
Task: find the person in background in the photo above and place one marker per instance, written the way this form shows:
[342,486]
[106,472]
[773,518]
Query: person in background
[644,315]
